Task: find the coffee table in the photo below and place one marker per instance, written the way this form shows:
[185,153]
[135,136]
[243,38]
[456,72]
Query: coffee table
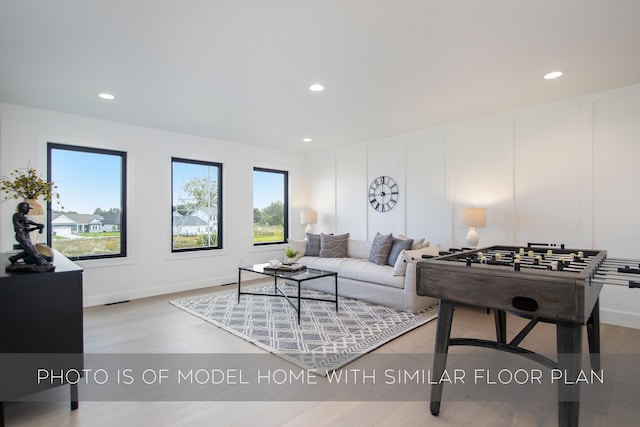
[294,276]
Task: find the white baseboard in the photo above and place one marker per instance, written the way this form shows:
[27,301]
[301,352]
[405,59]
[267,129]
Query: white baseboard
[151,292]
[620,318]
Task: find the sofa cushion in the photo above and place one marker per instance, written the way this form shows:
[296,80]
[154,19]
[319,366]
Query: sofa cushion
[359,248]
[313,244]
[380,248]
[333,246]
[363,270]
[398,246]
[328,264]
[407,256]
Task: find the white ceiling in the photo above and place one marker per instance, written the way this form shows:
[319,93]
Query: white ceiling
[239,70]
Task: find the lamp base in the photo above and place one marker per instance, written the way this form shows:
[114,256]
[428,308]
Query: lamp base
[472,238]
[307,229]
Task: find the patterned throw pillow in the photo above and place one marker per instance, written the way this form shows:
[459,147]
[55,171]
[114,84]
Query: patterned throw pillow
[380,248]
[334,246]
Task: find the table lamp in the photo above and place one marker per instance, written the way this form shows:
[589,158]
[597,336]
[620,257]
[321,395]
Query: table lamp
[308,217]
[472,218]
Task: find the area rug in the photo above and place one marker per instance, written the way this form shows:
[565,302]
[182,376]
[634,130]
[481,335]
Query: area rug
[323,341]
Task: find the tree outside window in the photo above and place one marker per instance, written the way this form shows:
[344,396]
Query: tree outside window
[196,205]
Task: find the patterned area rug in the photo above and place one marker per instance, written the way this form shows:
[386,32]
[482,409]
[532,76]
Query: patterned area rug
[324,340]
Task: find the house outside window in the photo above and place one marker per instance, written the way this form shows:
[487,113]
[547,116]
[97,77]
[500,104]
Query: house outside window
[91,221]
[196,213]
[270,206]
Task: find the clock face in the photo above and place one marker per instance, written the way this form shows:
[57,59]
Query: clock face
[383,194]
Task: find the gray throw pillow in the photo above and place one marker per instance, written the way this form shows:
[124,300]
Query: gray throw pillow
[380,248]
[398,246]
[313,245]
[334,246]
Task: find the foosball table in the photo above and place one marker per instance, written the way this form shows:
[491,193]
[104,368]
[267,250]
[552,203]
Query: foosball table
[541,282]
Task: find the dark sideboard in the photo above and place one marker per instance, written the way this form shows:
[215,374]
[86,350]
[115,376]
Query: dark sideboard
[40,314]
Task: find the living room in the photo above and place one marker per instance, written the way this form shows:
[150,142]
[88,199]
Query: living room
[550,168]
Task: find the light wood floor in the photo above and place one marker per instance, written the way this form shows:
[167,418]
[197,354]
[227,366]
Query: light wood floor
[152,325]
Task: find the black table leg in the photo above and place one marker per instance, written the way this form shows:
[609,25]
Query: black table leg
[299,301]
[443,333]
[569,342]
[336,279]
[239,278]
[593,334]
[501,325]
[74,396]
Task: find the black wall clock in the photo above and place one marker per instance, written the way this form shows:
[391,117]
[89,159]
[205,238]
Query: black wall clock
[383,193]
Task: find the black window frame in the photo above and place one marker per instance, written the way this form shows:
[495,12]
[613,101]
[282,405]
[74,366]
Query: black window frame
[285,203]
[123,196]
[220,228]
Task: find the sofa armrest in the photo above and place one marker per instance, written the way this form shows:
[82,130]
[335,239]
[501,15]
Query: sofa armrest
[413,301]
[410,277]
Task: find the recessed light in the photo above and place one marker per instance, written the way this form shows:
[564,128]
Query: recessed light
[306,140]
[553,75]
[316,87]
[107,96]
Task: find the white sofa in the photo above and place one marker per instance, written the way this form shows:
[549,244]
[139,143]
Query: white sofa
[358,278]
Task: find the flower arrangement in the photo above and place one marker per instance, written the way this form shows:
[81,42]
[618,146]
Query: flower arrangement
[26,184]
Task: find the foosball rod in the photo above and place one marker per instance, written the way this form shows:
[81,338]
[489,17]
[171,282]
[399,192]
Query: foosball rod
[613,282]
[625,271]
[621,261]
[545,245]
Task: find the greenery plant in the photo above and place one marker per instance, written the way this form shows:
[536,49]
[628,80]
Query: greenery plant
[289,252]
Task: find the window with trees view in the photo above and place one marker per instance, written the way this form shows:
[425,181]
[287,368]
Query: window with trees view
[90,220]
[196,205]
[270,206]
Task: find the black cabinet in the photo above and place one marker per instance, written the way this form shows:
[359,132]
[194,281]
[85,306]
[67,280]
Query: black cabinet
[40,313]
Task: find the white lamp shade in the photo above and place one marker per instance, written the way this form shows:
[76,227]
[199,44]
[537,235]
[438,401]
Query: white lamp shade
[474,217]
[308,217]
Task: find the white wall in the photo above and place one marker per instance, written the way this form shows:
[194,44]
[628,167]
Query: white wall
[558,173]
[150,268]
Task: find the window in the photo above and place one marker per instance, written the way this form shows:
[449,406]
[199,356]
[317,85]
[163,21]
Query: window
[270,206]
[91,220]
[196,201]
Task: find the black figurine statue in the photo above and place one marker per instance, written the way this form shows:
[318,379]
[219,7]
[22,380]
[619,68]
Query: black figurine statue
[23,226]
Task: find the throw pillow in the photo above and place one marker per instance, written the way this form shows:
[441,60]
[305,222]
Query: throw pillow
[313,245]
[407,256]
[398,246]
[417,243]
[333,246]
[298,245]
[380,248]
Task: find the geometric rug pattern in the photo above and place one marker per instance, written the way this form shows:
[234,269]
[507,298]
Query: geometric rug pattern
[324,340]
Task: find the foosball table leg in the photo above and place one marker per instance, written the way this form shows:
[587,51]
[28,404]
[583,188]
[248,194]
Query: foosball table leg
[593,335]
[569,343]
[501,325]
[443,333]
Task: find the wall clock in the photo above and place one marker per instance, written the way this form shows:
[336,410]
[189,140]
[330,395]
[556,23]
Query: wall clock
[383,193]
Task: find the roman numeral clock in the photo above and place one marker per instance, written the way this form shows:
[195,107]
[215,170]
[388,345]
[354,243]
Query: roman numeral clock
[383,193]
